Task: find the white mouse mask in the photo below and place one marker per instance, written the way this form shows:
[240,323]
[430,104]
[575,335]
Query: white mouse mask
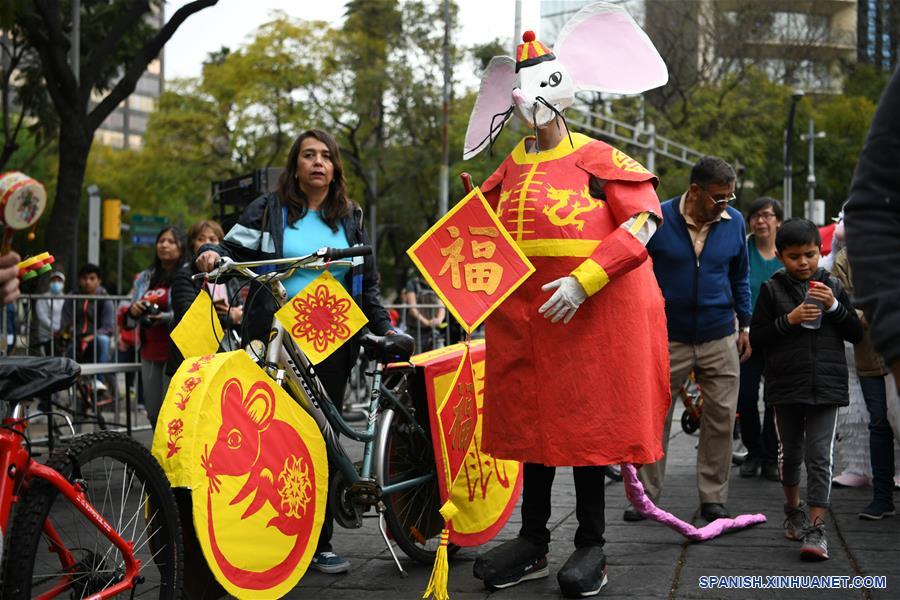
[601,48]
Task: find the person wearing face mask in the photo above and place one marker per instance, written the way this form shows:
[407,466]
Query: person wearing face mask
[48,315]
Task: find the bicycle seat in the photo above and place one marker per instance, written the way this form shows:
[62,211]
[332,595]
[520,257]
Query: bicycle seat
[388,348]
[26,377]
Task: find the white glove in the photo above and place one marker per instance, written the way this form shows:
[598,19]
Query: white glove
[565,300]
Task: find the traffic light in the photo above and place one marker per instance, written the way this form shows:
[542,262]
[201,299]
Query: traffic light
[112,219]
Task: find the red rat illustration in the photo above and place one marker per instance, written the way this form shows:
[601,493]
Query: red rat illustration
[250,440]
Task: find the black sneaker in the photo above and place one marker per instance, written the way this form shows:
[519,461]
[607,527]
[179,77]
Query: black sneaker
[750,467]
[770,471]
[815,544]
[877,510]
[795,522]
[511,563]
[632,516]
[584,574]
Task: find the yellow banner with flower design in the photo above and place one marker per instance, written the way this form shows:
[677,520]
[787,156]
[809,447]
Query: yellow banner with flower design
[321,317]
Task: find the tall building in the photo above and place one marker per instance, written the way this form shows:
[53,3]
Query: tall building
[555,13]
[800,43]
[878,33]
[126,125]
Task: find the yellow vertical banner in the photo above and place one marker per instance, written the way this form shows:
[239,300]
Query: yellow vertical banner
[199,332]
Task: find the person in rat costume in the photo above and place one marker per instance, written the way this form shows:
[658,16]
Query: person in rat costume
[577,368]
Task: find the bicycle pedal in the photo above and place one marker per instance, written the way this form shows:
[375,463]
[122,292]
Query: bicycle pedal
[366,492]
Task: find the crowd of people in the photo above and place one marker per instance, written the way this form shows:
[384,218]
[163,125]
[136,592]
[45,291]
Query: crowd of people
[748,306]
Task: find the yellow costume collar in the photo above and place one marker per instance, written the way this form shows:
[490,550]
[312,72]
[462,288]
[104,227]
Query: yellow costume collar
[563,149]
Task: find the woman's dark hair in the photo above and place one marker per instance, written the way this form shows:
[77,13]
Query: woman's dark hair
[797,232]
[336,205]
[764,202]
[158,275]
[712,170]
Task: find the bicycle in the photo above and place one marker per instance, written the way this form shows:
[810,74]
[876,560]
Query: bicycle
[98,519]
[397,476]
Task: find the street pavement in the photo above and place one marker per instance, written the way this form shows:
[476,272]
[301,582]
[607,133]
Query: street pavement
[646,559]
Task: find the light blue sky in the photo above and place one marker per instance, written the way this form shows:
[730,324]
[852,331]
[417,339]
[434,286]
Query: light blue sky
[229,22]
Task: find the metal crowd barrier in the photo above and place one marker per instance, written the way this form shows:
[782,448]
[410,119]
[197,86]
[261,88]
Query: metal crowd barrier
[32,325]
[36,325]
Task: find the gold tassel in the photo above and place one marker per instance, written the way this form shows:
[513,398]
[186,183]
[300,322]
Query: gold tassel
[437,585]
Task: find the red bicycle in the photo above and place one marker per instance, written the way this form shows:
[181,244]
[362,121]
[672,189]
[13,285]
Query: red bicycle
[98,519]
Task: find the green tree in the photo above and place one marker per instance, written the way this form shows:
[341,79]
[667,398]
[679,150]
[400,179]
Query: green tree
[117,42]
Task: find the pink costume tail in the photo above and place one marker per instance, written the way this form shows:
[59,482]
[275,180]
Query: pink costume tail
[641,503]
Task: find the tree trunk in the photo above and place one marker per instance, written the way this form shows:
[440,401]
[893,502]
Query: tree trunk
[74,147]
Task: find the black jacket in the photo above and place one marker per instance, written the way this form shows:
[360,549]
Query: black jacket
[872,221]
[803,366]
[259,235]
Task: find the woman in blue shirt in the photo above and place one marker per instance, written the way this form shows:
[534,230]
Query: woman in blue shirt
[310,209]
[764,217]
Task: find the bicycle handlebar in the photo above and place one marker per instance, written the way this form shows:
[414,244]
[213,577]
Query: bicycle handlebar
[338,253]
[318,260]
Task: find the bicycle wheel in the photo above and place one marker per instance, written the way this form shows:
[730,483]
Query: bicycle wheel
[126,485]
[412,515]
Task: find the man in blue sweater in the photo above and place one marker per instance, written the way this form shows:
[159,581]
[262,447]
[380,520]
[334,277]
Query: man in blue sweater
[701,265]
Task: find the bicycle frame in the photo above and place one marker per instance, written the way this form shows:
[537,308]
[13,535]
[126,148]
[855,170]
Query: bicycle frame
[16,461]
[311,395]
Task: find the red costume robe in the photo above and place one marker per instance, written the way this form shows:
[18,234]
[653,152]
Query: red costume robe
[594,391]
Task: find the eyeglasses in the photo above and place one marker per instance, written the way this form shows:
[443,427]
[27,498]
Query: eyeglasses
[721,198]
[764,216]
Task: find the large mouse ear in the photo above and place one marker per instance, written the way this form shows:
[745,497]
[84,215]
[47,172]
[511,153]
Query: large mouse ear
[604,50]
[232,393]
[260,404]
[492,106]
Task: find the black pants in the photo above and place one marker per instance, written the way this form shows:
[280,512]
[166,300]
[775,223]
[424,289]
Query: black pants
[761,443]
[334,372]
[881,437]
[589,504]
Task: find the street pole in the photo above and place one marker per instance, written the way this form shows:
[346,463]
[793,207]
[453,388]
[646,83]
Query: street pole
[517,27]
[810,139]
[651,147]
[788,159]
[444,199]
[93,241]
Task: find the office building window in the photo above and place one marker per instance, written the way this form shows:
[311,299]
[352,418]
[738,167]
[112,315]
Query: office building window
[142,103]
[114,139]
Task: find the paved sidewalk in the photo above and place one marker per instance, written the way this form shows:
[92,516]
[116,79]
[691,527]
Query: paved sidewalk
[647,560]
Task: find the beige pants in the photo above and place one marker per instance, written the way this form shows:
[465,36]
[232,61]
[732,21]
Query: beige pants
[717,368]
